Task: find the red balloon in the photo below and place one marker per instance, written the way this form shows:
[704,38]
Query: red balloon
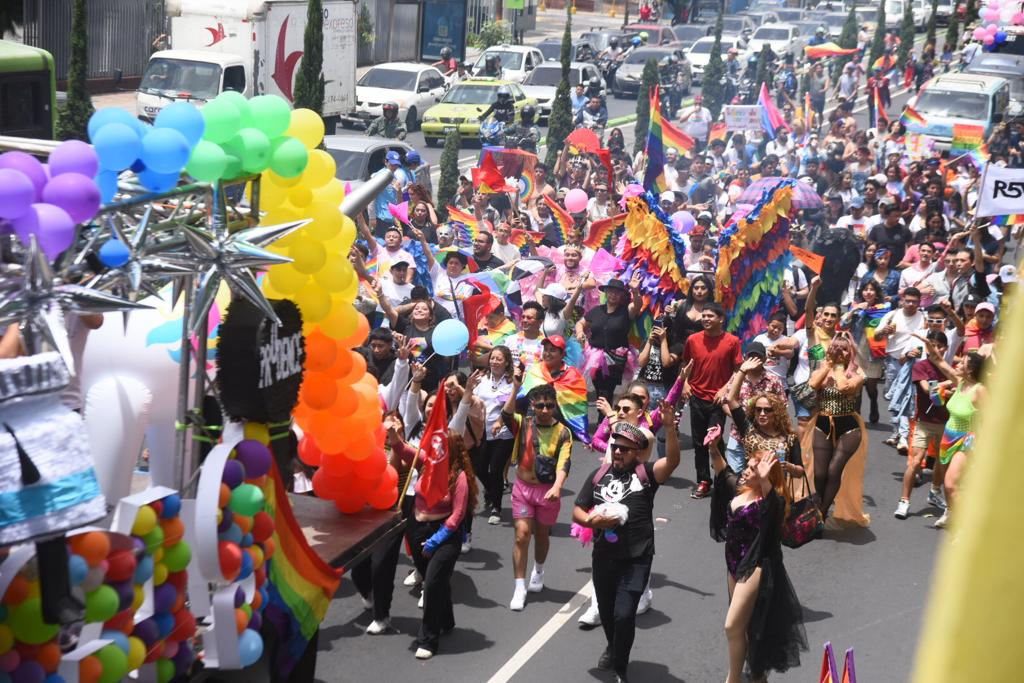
[184,625]
[230,555]
[337,465]
[309,452]
[372,467]
[325,486]
[384,496]
[391,475]
[125,619]
[350,506]
[179,580]
[262,527]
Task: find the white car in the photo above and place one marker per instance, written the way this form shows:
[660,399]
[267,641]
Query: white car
[543,81]
[413,87]
[782,38]
[699,54]
[516,61]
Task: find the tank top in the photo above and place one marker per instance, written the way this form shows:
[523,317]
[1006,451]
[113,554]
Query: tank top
[961,410]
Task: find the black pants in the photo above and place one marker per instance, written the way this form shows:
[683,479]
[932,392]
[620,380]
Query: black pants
[375,575]
[605,384]
[490,461]
[618,585]
[703,415]
[437,571]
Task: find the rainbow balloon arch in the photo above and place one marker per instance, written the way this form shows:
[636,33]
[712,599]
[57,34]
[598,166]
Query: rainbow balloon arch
[220,228]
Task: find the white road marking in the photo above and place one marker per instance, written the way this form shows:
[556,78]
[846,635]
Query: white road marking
[543,635]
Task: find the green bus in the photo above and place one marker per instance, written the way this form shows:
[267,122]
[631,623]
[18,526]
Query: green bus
[28,91]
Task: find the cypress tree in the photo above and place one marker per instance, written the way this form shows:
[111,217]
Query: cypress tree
[309,83]
[73,116]
[560,120]
[907,33]
[448,182]
[953,30]
[878,42]
[763,75]
[711,87]
[847,39]
[930,37]
[648,80]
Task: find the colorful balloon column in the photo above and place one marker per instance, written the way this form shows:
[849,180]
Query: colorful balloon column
[996,15]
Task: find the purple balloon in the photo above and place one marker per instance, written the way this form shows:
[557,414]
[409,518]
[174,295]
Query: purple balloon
[53,227]
[256,621]
[683,221]
[182,658]
[125,593]
[17,193]
[227,519]
[77,194]
[74,156]
[254,456]
[28,672]
[164,597]
[239,597]
[30,166]
[234,473]
[147,631]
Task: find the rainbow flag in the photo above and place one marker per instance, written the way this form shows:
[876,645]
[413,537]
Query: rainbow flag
[563,221]
[1012,219]
[520,237]
[602,232]
[879,108]
[467,226]
[719,131]
[654,175]
[499,334]
[300,585]
[910,117]
[675,138]
[872,317]
[828,50]
[969,140]
[771,117]
[571,390]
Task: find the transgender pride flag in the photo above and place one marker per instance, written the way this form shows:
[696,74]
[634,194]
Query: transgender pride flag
[771,117]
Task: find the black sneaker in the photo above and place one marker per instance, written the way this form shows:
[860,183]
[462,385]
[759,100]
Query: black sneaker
[604,662]
[873,414]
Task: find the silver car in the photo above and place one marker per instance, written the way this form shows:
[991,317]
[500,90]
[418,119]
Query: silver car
[543,81]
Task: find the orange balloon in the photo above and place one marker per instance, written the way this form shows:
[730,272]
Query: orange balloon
[342,362]
[358,337]
[224,497]
[321,352]
[90,669]
[257,600]
[17,590]
[327,430]
[244,523]
[347,401]
[93,546]
[318,390]
[357,370]
[174,530]
[361,449]
[241,620]
[49,656]
[268,548]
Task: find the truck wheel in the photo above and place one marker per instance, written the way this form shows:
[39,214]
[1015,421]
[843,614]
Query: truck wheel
[411,124]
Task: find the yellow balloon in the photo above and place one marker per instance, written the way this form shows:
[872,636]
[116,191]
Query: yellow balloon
[280,180]
[159,573]
[307,126]
[257,431]
[327,220]
[331,193]
[137,600]
[301,196]
[158,554]
[349,293]
[348,233]
[145,520]
[314,302]
[336,273]
[341,322]
[307,255]
[272,195]
[320,169]
[136,653]
[286,279]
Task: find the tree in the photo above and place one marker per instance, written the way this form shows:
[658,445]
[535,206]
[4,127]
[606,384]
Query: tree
[648,80]
[560,120]
[878,42]
[972,12]
[73,116]
[907,32]
[714,94]
[953,30]
[930,36]
[309,83]
[764,74]
[848,38]
[448,183]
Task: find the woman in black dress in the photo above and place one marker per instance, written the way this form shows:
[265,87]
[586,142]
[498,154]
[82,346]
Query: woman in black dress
[764,624]
[686,320]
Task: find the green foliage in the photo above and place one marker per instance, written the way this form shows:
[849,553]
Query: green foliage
[907,32]
[448,183]
[364,26]
[972,12]
[930,36]
[648,80]
[494,33]
[953,30]
[559,122]
[878,42]
[73,116]
[566,55]
[711,87]
[847,39]
[763,73]
[309,82]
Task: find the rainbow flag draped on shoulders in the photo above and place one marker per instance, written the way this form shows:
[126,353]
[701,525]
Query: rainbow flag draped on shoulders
[872,316]
[563,221]
[571,389]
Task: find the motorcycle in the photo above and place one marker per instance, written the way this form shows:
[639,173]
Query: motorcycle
[608,66]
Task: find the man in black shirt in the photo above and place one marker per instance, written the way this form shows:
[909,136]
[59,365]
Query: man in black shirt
[381,360]
[482,254]
[891,233]
[623,553]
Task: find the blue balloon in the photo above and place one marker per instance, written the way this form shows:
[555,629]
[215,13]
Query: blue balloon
[246,569]
[114,253]
[119,639]
[233,534]
[165,150]
[78,568]
[246,541]
[183,117]
[54,678]
[450,337]
[250,647]
[172,506]
[107,182]
[158,182]
[110,115]
[164,623]
[117,145]
[1000,37]
[144,569]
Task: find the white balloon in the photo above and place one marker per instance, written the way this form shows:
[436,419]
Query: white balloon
[116,416]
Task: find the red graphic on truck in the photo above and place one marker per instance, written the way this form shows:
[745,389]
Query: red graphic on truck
[216,34]
[284,66]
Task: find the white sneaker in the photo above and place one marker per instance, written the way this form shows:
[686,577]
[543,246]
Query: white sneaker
[518,601]
[645,601]
[536,584]
[902,509]
[467,545]
[936,498]
[942,521]
[377,627]
[420,603]
[413,579]
[367,602]
[423,653]
[592,617]
[494,519]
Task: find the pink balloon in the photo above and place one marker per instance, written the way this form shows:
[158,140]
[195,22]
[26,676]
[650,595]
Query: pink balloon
[978,33]
[990,15]
[1018,18]
[988,40]
[991,29]
[576,201]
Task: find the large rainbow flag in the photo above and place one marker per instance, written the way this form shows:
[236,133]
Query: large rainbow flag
[654,174]
[872,317]
[563,221]
[828,50]
[969,141]
[466,225]
[571,389]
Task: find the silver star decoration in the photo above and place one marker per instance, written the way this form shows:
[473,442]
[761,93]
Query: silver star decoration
[34,298]
[219,256]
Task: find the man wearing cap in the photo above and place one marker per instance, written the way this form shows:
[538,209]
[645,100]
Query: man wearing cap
[624,551]
[608,328]
[696,122]
[752,382]
[667,201]
[419,171]
[381,217]
[397,289]
[980,330]
[855,221]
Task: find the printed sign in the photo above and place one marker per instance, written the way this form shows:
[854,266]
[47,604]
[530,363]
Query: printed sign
[742,117]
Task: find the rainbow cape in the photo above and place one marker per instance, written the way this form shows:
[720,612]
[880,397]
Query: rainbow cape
[571,389]
[910,117]
[300,584]
[753,254]
[654,174]
[828,50]
[872,317]
[563,221]
[602,232]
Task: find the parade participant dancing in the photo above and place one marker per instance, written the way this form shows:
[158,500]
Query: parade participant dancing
[617,501]
[494,453]
[608,327]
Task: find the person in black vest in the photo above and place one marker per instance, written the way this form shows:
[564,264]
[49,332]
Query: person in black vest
[623,552]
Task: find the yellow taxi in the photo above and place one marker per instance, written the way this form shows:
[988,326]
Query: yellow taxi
[462,105]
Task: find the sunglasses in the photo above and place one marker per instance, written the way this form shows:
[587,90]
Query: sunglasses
[762,409]
[617,447]
[936,321]
[621,408]
[544,406]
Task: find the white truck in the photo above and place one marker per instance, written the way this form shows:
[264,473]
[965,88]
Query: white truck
[251,46]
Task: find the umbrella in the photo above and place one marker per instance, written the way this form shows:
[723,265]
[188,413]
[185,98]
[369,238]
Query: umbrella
[804,196]
[530,265]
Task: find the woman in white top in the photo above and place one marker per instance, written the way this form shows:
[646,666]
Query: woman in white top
[558,305]
[492,456]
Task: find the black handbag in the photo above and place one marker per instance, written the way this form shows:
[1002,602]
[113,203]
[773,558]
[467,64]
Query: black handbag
[804,522]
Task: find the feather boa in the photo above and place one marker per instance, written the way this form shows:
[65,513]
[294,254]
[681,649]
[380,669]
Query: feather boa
[598,361]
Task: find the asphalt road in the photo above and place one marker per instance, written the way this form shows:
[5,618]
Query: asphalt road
[862,588]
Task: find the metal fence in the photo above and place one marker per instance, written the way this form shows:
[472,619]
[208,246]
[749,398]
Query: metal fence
[120,33]
[479,12]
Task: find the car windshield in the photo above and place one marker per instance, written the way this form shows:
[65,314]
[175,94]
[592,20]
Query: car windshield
[834,20]
[703,47]
[549,50]
[551,76]
[684,32]
[390,79]
[789,14]
[733,24]
[957,105]
[470,94]
[201,80]
[641,56]
[349,163]
[509,60]
[771,34]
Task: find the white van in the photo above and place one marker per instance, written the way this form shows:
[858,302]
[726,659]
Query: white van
[951,99]
[920,10]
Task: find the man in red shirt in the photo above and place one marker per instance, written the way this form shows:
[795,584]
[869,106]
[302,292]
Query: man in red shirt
[716,356]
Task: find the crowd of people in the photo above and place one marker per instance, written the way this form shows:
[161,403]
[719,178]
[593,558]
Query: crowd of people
[906,310]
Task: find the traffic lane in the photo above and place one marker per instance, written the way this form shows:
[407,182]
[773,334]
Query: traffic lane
[863,588]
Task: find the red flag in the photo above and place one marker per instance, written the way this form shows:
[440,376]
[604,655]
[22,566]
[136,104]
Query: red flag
[584,139]
[433,483]
[476,308]
[488,178]
[605,155]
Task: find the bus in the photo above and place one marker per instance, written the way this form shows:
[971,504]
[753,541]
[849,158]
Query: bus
[28,91]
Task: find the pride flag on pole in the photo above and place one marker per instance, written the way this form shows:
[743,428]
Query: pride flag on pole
[771,117]
[969,140]
[654,175]
[910,117]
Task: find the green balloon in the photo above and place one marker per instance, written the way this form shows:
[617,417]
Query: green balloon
[222,120]
[238,99]
[165,669]
[115,663]
[177,556]
[207,162]
[271,114]
[289,157]
[26,622]
[252,146]
[246,500]
[233,168]
[154,539]
[101,604]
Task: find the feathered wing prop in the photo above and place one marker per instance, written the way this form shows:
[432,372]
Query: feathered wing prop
[654,249]
[753,254]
